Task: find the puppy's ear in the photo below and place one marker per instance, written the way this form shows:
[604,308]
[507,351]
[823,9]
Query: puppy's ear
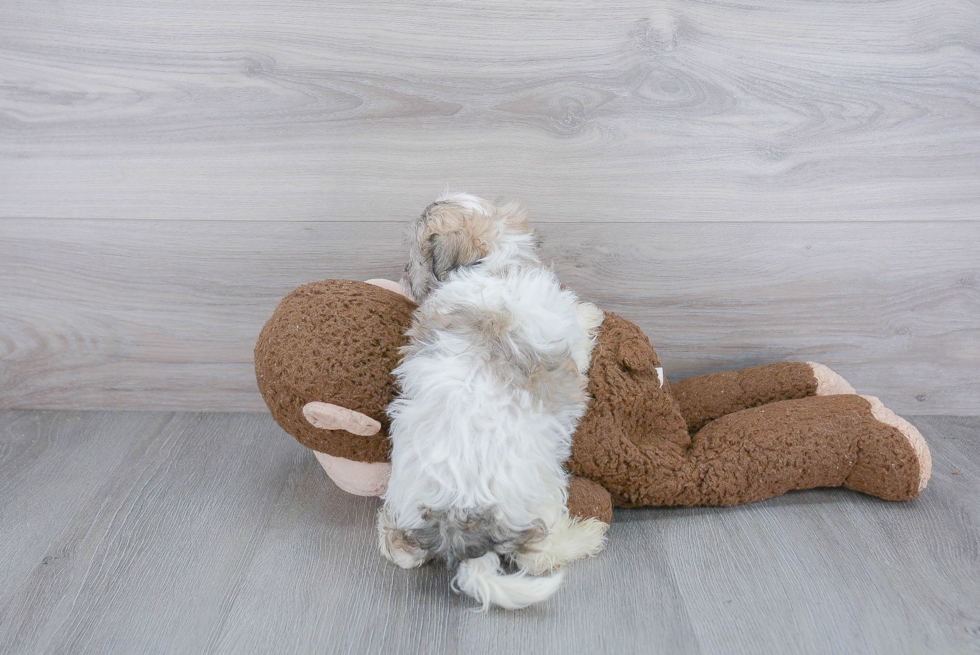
[515,218]
[452,250]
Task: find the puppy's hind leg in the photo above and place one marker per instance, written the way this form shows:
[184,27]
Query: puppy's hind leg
[393,544]
[571,539]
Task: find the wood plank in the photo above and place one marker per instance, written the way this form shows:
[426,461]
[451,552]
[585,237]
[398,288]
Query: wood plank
[218,533]
[51,467]
[317,582]
[835,571]
[625,600]
[343,111]
[819,571]
[153,558]
[164,314]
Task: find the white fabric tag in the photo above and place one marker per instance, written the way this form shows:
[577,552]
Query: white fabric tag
[660,375]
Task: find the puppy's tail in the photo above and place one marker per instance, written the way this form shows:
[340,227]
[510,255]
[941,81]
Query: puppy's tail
[484,579]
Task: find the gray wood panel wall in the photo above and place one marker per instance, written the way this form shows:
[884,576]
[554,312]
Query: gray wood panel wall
[747,181]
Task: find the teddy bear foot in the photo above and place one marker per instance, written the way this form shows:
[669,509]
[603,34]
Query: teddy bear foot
[893,460]
[911,434]
[829,383]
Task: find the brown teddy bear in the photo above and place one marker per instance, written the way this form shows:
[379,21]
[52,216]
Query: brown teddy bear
[324,360]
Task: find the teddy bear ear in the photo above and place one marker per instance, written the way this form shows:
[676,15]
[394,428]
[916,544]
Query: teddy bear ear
[636,356]
[454,250]
[327,416]
[390,285]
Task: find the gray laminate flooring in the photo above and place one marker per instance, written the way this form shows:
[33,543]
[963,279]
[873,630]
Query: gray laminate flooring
[192,533]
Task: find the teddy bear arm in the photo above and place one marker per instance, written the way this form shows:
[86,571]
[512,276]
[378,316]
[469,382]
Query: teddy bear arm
[705,398]
[588,500]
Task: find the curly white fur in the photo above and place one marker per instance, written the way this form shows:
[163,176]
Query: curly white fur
[492,386]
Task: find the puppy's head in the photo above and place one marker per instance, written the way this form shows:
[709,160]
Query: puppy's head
[456,231]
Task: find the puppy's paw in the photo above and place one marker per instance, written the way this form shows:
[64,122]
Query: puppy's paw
[394,546]
[571,539]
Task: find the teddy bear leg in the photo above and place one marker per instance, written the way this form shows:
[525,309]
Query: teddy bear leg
[820,441]
[704,398]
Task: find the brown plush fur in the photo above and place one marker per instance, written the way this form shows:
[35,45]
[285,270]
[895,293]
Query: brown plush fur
[720,439]
[587,499]
[704,398]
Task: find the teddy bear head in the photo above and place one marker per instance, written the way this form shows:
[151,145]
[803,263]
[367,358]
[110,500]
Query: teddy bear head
[335,342]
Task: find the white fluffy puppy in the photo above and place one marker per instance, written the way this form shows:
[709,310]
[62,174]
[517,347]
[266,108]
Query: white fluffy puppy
[492,385]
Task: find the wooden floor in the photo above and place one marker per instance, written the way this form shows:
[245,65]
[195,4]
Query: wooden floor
[129,532]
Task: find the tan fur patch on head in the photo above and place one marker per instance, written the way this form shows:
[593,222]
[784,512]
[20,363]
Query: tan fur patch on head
[447,236]
[457,236]
[456,231]
[457,249]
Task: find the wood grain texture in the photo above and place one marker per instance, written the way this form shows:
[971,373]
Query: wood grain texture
[74,455]
[633,111]
[220,534]
[164,314]
[159,548]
